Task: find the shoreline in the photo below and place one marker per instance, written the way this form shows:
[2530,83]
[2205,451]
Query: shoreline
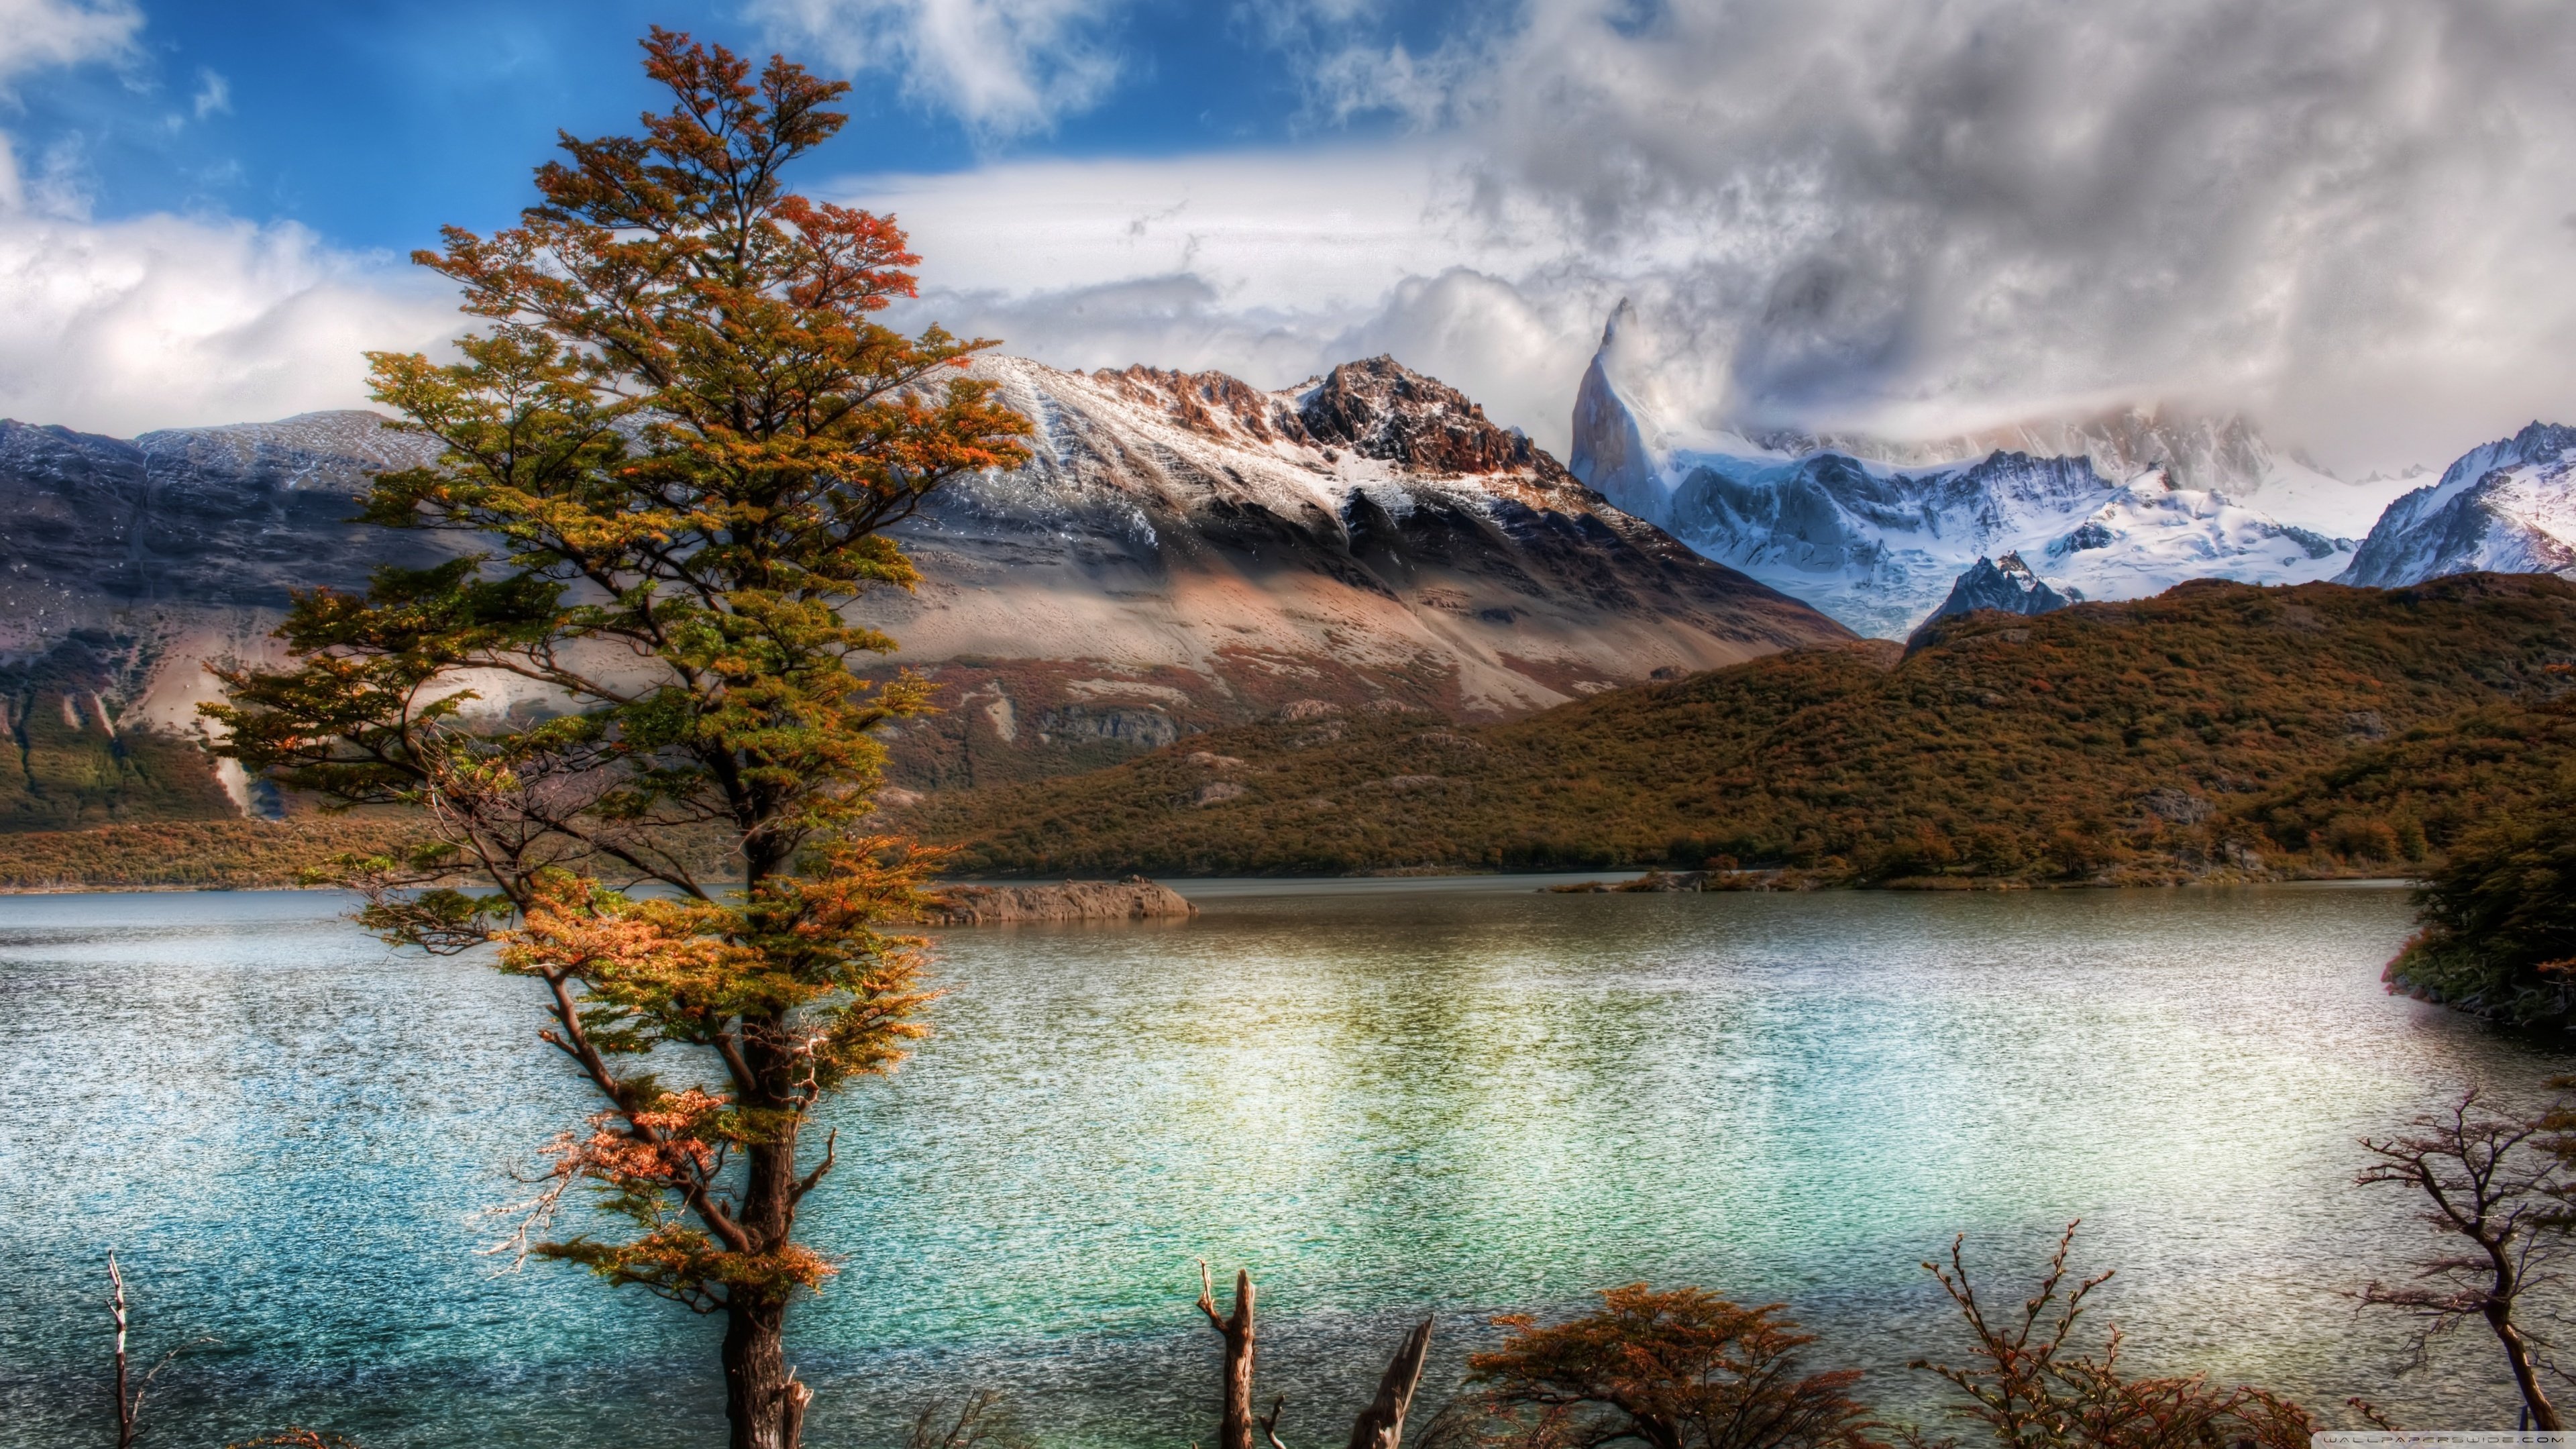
[1220,887]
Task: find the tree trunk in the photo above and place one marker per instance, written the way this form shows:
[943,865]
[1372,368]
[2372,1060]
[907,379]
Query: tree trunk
[762,1398]
[1381,1424]
[2517,1351]
[766,1405]
[1234,1428]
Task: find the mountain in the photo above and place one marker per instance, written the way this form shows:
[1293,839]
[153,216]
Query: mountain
[128,563]
[1183,551]
[2509,506]
[2004,584]
[2118,504]
[2144,740]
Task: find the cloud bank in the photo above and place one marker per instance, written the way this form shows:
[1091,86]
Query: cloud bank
[38,34]
[165,321]
[2351,217]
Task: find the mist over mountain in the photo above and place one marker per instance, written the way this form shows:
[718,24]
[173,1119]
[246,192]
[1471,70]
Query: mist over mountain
[2115,504]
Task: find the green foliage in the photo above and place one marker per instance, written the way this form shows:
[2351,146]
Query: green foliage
[2499,919]
[2114,742]
[684,434]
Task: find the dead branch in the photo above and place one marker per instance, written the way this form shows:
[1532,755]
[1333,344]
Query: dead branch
[1381,1424]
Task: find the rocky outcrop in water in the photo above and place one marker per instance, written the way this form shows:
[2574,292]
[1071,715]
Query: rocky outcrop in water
[1132,899]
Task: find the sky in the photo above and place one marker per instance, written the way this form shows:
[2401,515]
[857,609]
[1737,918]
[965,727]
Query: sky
[2354,220]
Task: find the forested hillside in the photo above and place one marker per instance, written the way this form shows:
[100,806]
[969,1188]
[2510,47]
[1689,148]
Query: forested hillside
[2175,737]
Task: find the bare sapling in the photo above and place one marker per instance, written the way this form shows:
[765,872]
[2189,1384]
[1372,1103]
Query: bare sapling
[2489,1190]
[2028,1383]
[129,1395]
[976,1420]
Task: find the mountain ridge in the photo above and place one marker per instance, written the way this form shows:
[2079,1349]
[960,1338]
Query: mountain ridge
[2118,503]
[1183,551]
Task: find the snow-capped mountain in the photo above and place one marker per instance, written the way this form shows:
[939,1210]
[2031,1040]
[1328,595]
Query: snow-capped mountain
[1182,551]
[2006,584]
[2509,507]
[2116,505]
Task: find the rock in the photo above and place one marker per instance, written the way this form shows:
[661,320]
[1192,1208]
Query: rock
[1132,899]
[1217,792]
[2006,584]
[1667,881]
[2178,807]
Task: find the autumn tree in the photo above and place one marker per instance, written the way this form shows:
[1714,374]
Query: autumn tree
[674,446]
[1674,1369]
[2030,1383]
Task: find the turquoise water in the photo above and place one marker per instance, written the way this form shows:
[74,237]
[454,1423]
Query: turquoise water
[1386,1098]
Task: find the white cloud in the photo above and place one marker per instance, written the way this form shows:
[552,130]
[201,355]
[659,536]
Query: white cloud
[166,321]
[37,34]
[214,94]
[1004,67]
[2350,216]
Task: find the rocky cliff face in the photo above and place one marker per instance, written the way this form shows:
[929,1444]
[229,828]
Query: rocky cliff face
[2123,503]
[2006,584]
[2507,507]
[126,564]
[1184,550]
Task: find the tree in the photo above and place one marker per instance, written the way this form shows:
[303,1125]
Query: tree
[679,440]
[1677,1369]
[2499,917]
[2029,1386]
[2493,1197]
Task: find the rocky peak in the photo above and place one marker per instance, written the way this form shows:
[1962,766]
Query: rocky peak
[2004,583]
[1212,404]
[1382,409]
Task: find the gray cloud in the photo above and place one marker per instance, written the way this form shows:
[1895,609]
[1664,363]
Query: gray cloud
[1876,210]
[2345,216]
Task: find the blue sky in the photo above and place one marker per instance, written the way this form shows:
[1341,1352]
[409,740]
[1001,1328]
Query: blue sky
[2348,219]
[375,123]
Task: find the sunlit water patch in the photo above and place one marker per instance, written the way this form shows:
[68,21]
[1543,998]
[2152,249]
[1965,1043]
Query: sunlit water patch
[1387,1100]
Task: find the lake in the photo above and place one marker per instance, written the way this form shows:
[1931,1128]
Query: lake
[1386,1098]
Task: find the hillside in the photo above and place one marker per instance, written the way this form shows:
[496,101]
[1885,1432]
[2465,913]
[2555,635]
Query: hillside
[1185,552]
[1182,551]
[2108,741]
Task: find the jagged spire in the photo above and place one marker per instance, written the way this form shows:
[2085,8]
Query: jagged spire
[1625,311]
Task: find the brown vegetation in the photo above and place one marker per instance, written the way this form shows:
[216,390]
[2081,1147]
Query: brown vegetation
[2145,741]
[194,854]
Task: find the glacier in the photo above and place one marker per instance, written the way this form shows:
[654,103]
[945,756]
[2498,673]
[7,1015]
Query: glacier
[2115,505]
